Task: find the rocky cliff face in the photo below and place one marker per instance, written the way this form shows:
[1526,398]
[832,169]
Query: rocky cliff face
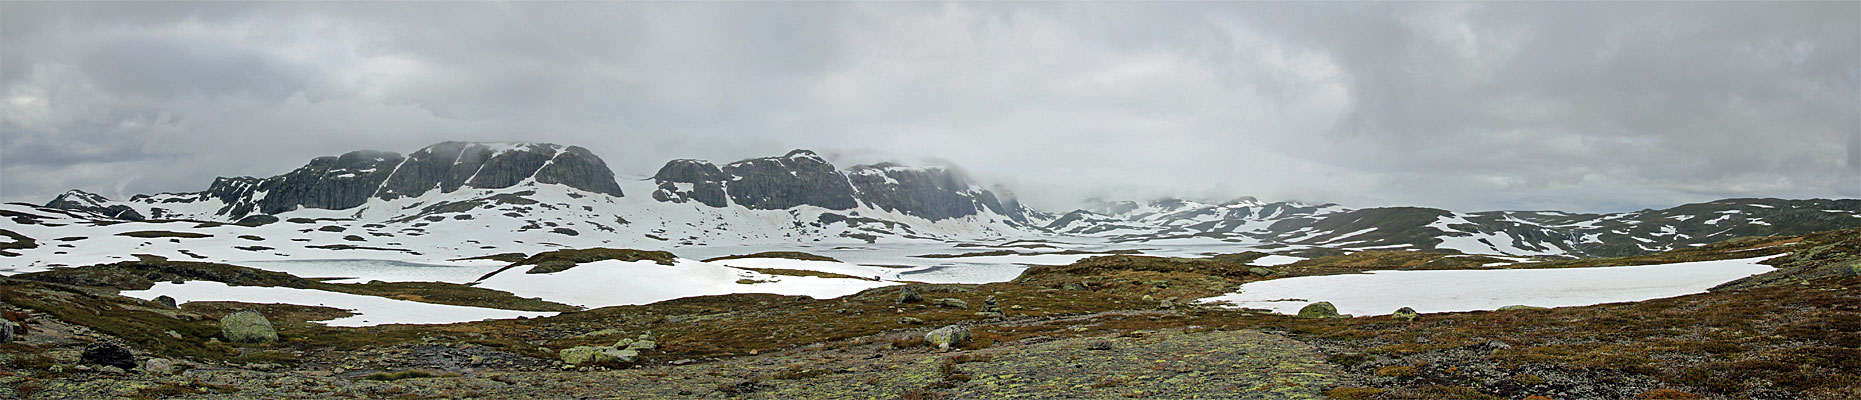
[797,178]
[352,179]
[931,193]
[802,177]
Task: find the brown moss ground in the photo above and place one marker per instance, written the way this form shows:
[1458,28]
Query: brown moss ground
[1782,340]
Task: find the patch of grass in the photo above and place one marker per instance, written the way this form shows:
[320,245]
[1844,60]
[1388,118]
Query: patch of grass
[449,293]
[354,247]
[818,274]
[505,257]
[562,260]
[1354,393]
[1024,253]
[398,375]
[792,255]
[164,234]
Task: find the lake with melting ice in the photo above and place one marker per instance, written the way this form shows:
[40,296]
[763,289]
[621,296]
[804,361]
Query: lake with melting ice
[1382,292]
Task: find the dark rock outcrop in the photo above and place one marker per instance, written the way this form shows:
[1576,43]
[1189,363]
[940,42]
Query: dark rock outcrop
[797,178]
[931,193]
[108,354]
[95,203]
[703,182]
[352,179]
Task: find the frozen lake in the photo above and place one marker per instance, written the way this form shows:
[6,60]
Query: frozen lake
[1382,292]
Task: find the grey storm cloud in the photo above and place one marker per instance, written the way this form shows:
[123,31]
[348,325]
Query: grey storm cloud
[1470,106]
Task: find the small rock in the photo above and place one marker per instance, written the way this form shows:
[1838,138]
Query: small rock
[6,331]
[1519,307]
[166,301]
[1322,309]
[1073,286]
[1166,305]
[106,353]
[909,295]
[1260,271]
[247,327]
[948,336]
[159,366]
[623,343]
[648,335]
[1405,314]
[643,345]
[910,320]
[1098,344]
[952,303]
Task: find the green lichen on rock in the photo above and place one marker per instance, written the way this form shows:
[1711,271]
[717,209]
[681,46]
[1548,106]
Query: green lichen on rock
[1322,309]
[947,337]
[1405,314]
[247,327]
[597,355]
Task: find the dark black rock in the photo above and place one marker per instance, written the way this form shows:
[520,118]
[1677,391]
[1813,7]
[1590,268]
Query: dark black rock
[166,301]
[106,353]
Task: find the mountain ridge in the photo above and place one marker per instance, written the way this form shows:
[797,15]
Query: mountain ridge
[802,196]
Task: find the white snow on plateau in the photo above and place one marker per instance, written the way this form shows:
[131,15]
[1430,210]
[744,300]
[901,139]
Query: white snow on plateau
[1272,260]
[1382,292]
[369,310]
[613,283]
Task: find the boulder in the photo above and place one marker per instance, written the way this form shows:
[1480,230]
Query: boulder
[6,331]
[1073,286]
[1260,271]
[948,336]
[909,295]
[1322,309]
[910,320]
[952,303]
[592,355]
[108,354]
[166,301]
[247,327]
[160,366]
[1405,314]
[1519,307]
[643,345]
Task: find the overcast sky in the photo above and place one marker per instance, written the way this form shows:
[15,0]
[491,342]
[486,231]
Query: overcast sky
[1556,105]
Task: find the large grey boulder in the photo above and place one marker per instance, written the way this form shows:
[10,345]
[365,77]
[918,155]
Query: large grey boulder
[909,294]
[6,331]
[1322,309]
[247,327]
[948,336]
[594,355]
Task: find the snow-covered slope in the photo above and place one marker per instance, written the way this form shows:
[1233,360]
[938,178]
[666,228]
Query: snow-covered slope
[456,199]
[1292,226]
